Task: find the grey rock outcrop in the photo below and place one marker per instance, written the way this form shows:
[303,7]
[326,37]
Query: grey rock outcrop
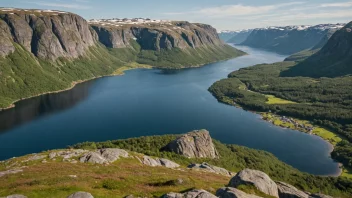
[195,144]
[113,154]
[103,156]
[228,192]
[149,161]
[190,194]
[256,178]
[67,154]
[80,195]
[289,191]
[12,171]
[210,168]
[93,158]
[15,196]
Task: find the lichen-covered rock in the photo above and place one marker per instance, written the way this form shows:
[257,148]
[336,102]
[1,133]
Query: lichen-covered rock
[210,168]
[93,158]
[168,163]
[256,178]
[195,144]
[12,171]
[15,196]
[289,191]
[190,194]
[80,195]
[67,154]
[149,161]
[113,154]
[228,192]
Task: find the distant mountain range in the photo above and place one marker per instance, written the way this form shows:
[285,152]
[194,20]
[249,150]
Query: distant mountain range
[235,37]
[283,40]
[334,59]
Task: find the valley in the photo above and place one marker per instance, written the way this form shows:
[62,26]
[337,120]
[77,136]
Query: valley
[121,107]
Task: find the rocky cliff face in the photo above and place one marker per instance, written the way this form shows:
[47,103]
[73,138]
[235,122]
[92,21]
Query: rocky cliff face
[156,36]
[46,34]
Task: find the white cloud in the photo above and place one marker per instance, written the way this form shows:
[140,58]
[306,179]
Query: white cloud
[236,10]
[341,5]
[242,10]
[62,5]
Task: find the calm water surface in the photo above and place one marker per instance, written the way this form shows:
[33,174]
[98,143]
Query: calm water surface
[154,102]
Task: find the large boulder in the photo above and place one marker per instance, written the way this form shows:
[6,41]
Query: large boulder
[228,192]
[190,194]
[195,144]
[289,191]
[80,195]
[256,178]
[210,168]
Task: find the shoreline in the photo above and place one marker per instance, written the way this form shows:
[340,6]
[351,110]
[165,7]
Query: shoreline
[119,73]
[73,85]
[330,144]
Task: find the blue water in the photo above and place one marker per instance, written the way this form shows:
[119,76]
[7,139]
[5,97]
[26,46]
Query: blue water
[153,102]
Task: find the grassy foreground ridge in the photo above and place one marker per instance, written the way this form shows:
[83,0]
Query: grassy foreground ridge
[58,178]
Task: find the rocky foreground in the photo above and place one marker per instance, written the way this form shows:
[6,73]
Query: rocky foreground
[247,183]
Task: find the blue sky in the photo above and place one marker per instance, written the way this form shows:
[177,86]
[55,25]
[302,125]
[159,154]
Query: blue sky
[222,14]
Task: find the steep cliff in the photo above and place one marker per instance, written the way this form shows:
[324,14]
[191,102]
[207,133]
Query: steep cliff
[156,36]
[289,39]
[45,50]
[334,59]
[46,34]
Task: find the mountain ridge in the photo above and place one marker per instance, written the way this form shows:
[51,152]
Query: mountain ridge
[43,51]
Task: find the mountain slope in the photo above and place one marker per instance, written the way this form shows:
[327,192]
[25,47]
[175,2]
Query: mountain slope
[300,56]
[46,51]
[240,37]
[235,37]
[334,59]
[290,39]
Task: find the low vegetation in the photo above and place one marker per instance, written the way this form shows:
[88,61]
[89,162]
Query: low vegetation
[234,158]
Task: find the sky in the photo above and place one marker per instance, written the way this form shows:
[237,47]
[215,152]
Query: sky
[222,14]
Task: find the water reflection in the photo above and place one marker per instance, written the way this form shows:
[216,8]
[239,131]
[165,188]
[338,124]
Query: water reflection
[34,108]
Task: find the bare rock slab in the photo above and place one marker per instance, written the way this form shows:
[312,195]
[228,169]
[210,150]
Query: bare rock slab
[233,193]
[210,168]
[80,195]
[289,191]
[195,144]
[256,178]
[149,161]
[190,194]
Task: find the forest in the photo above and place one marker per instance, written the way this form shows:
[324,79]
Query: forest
[325,101]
